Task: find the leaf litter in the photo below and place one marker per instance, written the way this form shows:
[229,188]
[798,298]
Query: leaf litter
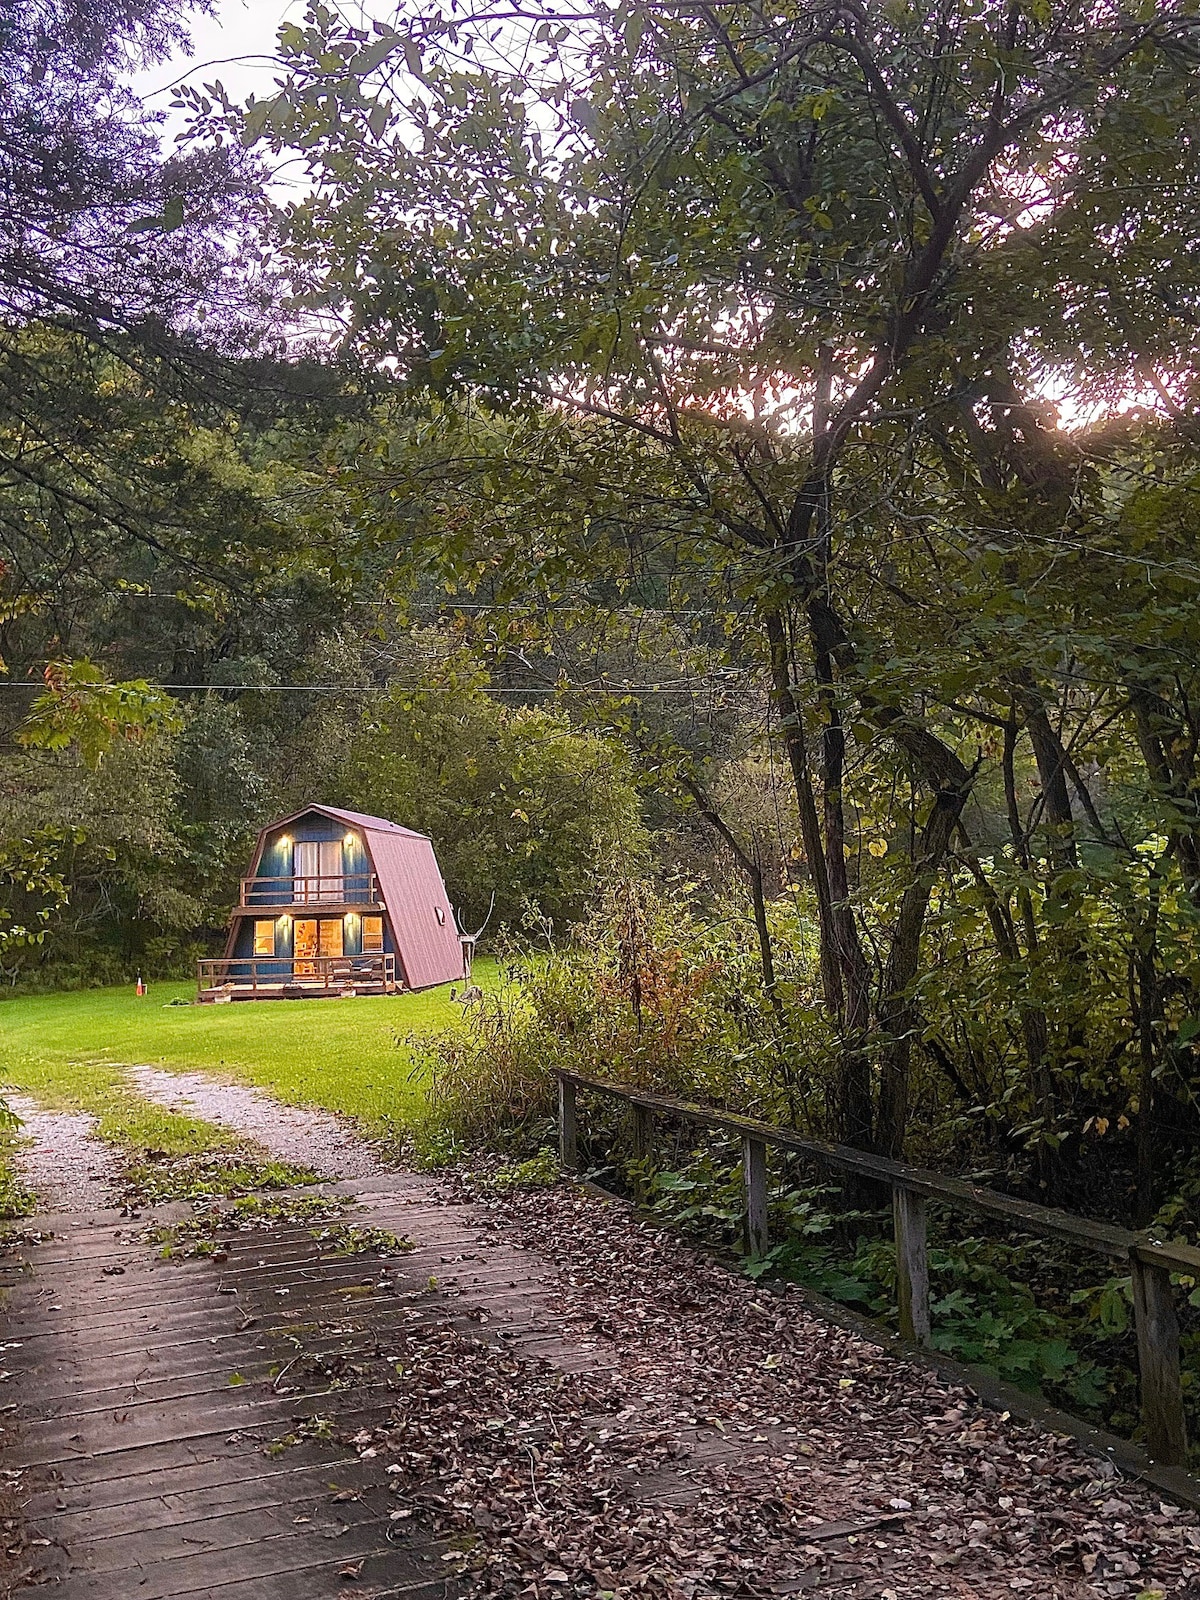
[724,1441]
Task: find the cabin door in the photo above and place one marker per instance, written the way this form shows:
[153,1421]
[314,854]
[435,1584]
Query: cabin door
[314,940]
[317,870]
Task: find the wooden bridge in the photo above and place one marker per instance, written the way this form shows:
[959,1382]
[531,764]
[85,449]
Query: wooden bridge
[1149,1261]
[546,1396]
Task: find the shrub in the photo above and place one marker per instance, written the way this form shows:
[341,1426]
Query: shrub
[645,994]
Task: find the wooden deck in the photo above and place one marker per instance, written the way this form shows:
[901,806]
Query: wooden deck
[223,978]
[292,989]
[145,1399]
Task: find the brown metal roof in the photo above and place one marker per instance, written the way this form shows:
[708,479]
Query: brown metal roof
[353,819]
[418,907]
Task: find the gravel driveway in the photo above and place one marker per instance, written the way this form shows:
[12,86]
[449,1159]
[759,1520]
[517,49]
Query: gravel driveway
[60,1157]
[315,1139]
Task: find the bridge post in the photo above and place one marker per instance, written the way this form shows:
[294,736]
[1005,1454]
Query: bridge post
[643,1138]
[912,1266]
[568,1127]
[1158,1363]
[755,1237]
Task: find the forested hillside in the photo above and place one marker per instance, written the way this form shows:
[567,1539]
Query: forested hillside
[731,479]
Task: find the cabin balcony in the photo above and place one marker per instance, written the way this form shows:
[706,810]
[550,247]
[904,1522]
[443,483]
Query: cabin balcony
[221,978]
[285,894]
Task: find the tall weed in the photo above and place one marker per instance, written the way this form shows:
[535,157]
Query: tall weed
[645,993]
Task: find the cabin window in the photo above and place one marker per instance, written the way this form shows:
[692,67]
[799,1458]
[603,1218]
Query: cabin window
[264,939]
[317,870]
[372,935]
[315,941]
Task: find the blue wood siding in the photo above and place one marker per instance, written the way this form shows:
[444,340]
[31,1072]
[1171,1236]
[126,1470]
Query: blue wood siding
[276,861]
[277,858]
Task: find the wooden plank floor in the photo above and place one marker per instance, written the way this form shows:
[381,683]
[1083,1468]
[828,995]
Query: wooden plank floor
[143,1398]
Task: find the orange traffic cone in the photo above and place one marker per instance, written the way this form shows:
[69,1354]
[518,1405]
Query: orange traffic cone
[141,987]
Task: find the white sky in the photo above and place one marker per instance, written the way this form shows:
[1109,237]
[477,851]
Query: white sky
[234,44]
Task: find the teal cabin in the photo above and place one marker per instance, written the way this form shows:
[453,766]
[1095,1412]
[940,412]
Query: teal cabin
[336,902]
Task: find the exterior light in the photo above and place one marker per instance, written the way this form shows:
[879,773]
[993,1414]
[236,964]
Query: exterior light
[351,838]
[285,838]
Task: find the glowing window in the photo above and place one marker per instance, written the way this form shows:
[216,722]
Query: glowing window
[264,938]
[372,935]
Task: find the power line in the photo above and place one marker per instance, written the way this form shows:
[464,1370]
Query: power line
[664,611]
[407,688]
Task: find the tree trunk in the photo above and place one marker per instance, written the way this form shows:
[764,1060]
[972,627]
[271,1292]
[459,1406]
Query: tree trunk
[791,722]
[752,868]
[1051,762]
[1148,1007]
[897,1012]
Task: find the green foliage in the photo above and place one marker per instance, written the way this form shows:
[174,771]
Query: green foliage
[519,803]
[537,1172]
[208,1176]
[353,1239]
[647,992]
[791,383]
[80,707]
[16,1200]
[202,1234]
[993,1305]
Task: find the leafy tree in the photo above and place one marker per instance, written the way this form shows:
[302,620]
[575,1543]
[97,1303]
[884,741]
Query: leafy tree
[781,295]
[519,804]
[101,231]
[78,709]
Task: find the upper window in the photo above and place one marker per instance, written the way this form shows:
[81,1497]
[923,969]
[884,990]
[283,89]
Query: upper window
[372,935]
[317,871]
[264,938]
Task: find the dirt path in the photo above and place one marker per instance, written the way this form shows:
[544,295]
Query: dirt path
[306,1137]
[60,1158]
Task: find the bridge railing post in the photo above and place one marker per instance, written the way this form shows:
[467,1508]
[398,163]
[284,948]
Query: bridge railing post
[910,1222]
[642,1120]
[568,1125]
[755,1237]
[1157,1326]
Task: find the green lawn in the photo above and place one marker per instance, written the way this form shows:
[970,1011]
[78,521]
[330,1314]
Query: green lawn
[67,1049]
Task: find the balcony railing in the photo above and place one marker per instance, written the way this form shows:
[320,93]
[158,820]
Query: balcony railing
[344,889]
[271,974]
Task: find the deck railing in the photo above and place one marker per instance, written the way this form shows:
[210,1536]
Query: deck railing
[272,973]
[297,889]
[1149,1261]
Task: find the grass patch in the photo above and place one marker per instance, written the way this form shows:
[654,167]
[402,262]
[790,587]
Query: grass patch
[204,1177]
[166,1154]
[15,1199]
[68,1049]
[354,1239]
[251,1213]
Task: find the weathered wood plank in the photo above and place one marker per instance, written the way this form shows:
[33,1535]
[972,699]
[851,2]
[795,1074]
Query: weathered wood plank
[568,1133]
[912,1266]
[1158,1361]
[755,1235]
[642,1119]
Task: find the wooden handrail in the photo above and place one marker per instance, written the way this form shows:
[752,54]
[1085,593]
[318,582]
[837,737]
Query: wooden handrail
[311,889]
[1150,1261]
[272,972]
